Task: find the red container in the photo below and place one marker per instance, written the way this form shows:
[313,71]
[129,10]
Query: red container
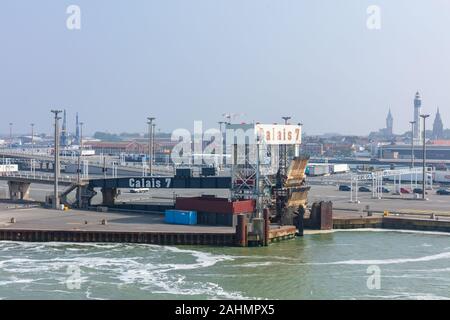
[215,205]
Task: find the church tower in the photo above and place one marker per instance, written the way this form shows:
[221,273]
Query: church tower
[438,127]
[389,124]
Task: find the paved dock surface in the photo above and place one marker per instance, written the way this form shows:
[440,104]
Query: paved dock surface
[74,220]
[405,204]
[436,204]
[38,224]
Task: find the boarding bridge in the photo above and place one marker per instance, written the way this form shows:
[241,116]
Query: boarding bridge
[19,185]
[110,186]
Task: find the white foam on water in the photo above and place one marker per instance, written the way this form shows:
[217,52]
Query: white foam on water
[439,256]
[15,280]
[437,233]
[415,276]
[431,270]
[164,279]
[203,259]
[209,289]
[161,282]
[150,268]
[36,266]
[234,275]
[256,264]
[23,265]
[268,257]
[136,270]
[89,296]
[407,296]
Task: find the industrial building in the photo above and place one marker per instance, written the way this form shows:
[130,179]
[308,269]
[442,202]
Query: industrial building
[436,150]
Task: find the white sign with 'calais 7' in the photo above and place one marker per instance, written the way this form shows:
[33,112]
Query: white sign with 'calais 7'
[279,133]
[155,183]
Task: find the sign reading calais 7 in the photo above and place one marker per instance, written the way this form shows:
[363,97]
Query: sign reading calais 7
[154,183]
[279,134]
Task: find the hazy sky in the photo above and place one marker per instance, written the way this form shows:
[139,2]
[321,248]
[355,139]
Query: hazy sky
[186,60]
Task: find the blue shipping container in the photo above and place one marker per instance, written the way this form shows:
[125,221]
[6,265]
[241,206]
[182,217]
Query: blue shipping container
[169,216]
[181,217]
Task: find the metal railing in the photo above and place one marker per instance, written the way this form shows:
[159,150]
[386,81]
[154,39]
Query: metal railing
[37,176]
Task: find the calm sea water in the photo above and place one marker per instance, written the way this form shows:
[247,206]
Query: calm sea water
[325,266]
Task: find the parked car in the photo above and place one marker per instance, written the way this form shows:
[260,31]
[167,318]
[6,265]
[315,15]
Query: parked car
[139,190]
[443,192]
[364,189]
[384,190]
[344,188]
[405,190]
[419,191]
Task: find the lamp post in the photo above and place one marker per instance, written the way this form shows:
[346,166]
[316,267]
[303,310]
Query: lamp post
[412,143]
[424,153]
[81,136]
[32,138]
[286,119]
[220,125]
[297,152]
[222,141]
[10,134]
[80,155]
[153,146]
[150,142]
[56,165]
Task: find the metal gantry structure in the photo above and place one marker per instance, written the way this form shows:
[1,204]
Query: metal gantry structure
[251,178]
[259,170]
[376,179]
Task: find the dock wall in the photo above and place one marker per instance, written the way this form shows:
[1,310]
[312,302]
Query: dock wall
[157,238]
[220,239]
[416,224]
[392,223]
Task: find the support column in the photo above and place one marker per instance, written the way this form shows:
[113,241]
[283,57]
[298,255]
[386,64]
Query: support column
[241,231]
[87,194]
[300,221]
[258,228]
[19,190]
[109,196]
[322,215]
[266,226]
[326,215]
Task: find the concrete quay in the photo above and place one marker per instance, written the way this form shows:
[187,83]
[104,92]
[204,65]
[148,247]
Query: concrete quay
[351,220]
[35,224]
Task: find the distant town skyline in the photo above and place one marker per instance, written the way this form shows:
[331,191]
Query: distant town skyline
[71,127]
[184,61]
